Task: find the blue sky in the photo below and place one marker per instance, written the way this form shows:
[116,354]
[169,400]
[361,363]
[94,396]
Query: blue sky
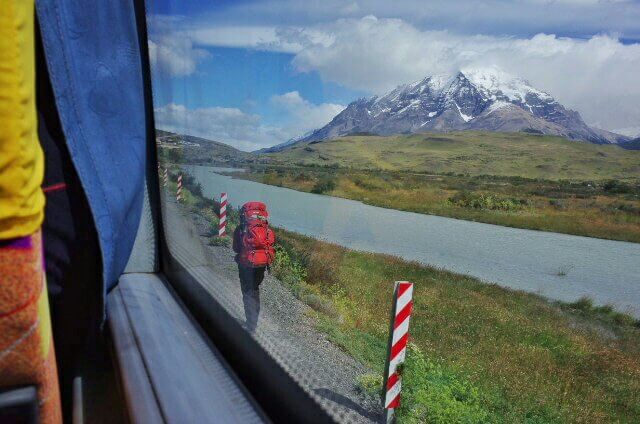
[248,79]
[255,73]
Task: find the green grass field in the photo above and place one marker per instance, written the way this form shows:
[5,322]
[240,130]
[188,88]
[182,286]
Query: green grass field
[473,153]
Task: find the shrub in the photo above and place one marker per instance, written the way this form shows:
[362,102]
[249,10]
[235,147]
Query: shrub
[324,185]
[619,187]
[582,304]
[286,268]
[605,313]
[483,201]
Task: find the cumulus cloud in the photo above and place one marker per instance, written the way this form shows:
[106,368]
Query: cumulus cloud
[247,131]
[302,115]
[596,76]
[227,125]
[171,52]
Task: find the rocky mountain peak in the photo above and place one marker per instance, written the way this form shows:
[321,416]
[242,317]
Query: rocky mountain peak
[471,99]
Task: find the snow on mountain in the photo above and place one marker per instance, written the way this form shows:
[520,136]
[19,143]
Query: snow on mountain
[478,98]
[491,81]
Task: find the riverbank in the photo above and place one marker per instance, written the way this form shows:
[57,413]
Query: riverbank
[480,353]
[605,209]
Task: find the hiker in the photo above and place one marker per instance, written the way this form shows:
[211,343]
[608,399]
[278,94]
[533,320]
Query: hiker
[253,242]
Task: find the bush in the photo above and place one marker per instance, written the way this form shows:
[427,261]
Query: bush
[605,313]
[324,185]
[618,187]
[286,268]
[582,304]
[483,201]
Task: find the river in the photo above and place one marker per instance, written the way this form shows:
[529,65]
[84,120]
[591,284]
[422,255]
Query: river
[557,266]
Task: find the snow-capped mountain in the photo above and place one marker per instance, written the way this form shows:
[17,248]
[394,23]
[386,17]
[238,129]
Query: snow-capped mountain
[472,99]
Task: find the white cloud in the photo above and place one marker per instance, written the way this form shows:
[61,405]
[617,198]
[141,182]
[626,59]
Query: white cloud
[275,39]
[247,131]
[597,76]
[171,52]
[175,55]
[266,38]
[227,125]
[302,115]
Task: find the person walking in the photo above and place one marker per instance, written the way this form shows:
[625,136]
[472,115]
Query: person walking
[253,242]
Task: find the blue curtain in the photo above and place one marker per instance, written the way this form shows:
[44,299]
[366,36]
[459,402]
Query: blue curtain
[93,57]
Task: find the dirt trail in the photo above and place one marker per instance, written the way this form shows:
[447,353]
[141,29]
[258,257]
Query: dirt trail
[284,323]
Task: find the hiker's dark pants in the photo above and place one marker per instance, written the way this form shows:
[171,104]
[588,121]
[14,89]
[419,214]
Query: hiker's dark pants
[250,279]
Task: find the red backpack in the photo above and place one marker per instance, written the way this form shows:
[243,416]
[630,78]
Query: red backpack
[253,240]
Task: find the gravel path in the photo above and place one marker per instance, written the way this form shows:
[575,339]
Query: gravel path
[284,325]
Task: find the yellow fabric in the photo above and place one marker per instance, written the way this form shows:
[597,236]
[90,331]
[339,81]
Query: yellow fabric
[44,326]
[21,158]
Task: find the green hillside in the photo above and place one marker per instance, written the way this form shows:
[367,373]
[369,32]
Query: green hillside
[473,153]
[196,150]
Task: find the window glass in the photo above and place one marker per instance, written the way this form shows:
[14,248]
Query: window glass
[487,152]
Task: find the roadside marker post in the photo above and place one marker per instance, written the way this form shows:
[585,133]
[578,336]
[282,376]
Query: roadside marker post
[165,177]
[222,228]
[397,346]
[179,191]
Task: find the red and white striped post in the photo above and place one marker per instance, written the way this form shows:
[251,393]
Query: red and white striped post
[222,228]
[179,191]
[397,348]
[165,177]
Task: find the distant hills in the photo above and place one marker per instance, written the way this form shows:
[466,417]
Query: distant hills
[468,152]
[473,99]
[198,150]
[633,144]
[458,152]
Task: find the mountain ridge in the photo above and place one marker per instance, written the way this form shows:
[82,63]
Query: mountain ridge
[473,99]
